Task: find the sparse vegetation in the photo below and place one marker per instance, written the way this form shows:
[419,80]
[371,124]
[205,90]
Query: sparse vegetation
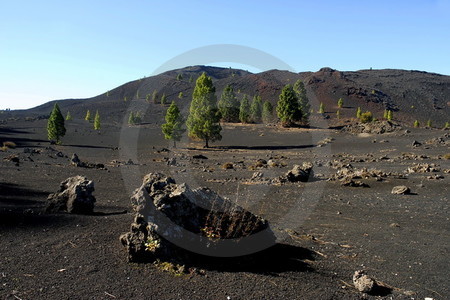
[340,103]
[125,99]
[256,110]
[55,125]
[429,124]
[68,116]
[173,128]
[366,117]
[97,124]
[447,125]
[244,110]
[204,116]
[134,118]
[389,115]
[229,105]
[267,112]
[164,99]
[179,77]
[180,95]
[416,124]
[155,97]
[288,108]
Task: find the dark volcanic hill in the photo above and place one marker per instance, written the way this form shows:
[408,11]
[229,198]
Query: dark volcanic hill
[410,95]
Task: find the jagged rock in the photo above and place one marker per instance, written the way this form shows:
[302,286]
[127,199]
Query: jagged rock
[199,156]
[75,160]
[257,176]
[173,219]
[353,183]
[300,173]
[74,196]
[172,161]
[400,190]
[416,144]
[13,158]
[362,282]
[424,168]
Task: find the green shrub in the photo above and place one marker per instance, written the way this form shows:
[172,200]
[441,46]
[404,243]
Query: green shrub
[366,117]
[416,124]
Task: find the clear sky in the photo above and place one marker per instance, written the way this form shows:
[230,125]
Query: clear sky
[76,49]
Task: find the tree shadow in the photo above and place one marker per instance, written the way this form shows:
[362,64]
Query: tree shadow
[89,146]
[275,147]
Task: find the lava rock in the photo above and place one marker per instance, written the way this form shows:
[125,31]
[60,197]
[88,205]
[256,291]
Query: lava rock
[74,196]
[362,282]
[300,173]
[400,190]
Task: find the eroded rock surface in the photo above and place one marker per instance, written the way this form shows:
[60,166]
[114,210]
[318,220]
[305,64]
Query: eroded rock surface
[74,196]
[170,216]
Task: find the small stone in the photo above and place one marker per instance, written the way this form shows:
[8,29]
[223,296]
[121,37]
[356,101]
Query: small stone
[400,190]
[362,282]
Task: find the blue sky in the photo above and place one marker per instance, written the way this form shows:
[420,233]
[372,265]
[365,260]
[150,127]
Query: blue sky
[60,49]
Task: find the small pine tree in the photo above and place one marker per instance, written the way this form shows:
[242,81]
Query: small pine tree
[340,103]
[267,112]
[155,97]
[131,120]
[55,125]
[303,101]
[88,116]
[416,124]
[256,110]
[244,110]
[179,77]
[321,108]
[338,114]
[358,112]
[288,108]
[366,117]
[180,95]
[429,124]
[173,128]
[164,99]
[137,94]
[68,116]
[97,121]
[389,115]
[125,99]
[204,116]
[147,97]
[191,79]
[229,105]
[447,125]
[385,114]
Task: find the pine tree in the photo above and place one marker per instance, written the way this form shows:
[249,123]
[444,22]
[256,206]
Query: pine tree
[204,116]
[340,103]
[256,110]
[303,101]
[429,124]
[55,125]
[416,124]
[68,116]
[288,108]
[385,114]
[358,112]
[155,97]
[164,99]
[173,128]
[97,121]
[244,110]
[179,77]
[447,125]
[88,116]
[389,115]
[180,95]
[267,112]
[131,120]
[321,108]
[229,105]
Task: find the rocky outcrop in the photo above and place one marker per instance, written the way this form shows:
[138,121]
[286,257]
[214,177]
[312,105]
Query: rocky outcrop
[376,127]
[74,196]
[173,220]
[300,173]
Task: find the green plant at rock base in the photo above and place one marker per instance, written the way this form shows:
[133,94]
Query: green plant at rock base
[151,245]
[366,117]
[416,124]
[55,125]
[172,268]
[340,102]
[173,128]
[204,116]
[358,112]
[97,121]
[447,125]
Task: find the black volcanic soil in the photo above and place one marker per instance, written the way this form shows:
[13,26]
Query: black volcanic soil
[326,230]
